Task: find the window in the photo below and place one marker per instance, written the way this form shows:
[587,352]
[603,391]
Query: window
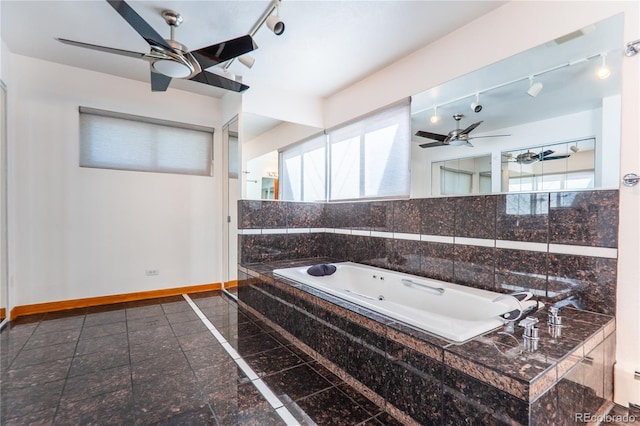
[370,156]
[111,140]
[304,170]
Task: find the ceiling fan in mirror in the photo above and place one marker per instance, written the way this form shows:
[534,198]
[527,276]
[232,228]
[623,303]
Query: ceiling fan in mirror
[170,59]
[455,137]
[531,157]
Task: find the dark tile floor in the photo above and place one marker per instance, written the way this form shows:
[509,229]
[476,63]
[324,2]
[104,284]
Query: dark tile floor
[155,362]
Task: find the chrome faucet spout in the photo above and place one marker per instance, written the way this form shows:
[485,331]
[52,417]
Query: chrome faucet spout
[520,311]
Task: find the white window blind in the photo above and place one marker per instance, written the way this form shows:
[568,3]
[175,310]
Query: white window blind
[454,181]
[369,157]
[304,170]
[111,140]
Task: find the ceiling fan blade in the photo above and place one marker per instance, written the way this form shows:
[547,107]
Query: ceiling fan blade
[140,25]
[470,128]
[217,80]
[545,153]
[220,52]
[431,144]
[159,82]
[429,135]
[557,157]
[103,48]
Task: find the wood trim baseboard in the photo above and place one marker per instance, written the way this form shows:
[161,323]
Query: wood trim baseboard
[40,308]
[231,284]
[3,313]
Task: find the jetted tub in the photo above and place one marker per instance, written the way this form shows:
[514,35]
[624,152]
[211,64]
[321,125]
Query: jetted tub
[451,311]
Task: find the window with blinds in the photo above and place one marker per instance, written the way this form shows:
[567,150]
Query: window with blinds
[369,157]
[110,140]
[303,168]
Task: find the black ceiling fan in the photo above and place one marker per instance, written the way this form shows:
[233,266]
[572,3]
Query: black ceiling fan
[169,59]
[456,137]
[531,157]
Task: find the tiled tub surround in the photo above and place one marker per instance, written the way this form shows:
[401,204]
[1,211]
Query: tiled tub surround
[555,244]
[421,379]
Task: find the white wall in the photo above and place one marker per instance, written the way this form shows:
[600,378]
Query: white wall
[80,232]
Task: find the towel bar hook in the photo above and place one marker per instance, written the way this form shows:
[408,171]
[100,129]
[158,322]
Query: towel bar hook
[630,179]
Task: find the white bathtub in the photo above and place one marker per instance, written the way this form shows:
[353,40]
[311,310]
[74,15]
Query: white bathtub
[451,311]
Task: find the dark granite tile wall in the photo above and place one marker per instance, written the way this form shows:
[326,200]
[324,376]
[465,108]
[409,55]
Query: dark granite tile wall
[261,214]
[591,279]
[406,216]
[437,216]
[475,217]
[437,261]
[305,215]
[414,383]
[588,218]
[518,270]
[523,217]
[474,266]
[578,218]
[459,392]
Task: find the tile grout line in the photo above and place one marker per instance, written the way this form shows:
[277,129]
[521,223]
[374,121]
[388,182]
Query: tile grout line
[264,390]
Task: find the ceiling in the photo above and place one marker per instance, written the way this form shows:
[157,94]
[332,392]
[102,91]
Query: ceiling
[327,45]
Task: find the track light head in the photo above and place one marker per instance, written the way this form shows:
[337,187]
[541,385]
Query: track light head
[534,88]
[247,60]
[435,118]
[275,24]
[603,71]
[476,106]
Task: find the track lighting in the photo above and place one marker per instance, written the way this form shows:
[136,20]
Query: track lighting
[534,88]
[247,60]
[475,106]
[435,117]
[603,71]
[274,23]
[574,148]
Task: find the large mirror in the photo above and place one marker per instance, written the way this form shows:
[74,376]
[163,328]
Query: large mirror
[545,119]
[262,137]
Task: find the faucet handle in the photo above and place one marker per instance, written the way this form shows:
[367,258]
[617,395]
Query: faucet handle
[528,322]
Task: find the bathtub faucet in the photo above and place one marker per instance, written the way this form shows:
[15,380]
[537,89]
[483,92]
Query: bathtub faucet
[520,297]
[410,283]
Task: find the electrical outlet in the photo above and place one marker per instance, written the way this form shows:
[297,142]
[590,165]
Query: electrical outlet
[151,272]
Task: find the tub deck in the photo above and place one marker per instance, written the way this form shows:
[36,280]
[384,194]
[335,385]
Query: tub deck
[574,370]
